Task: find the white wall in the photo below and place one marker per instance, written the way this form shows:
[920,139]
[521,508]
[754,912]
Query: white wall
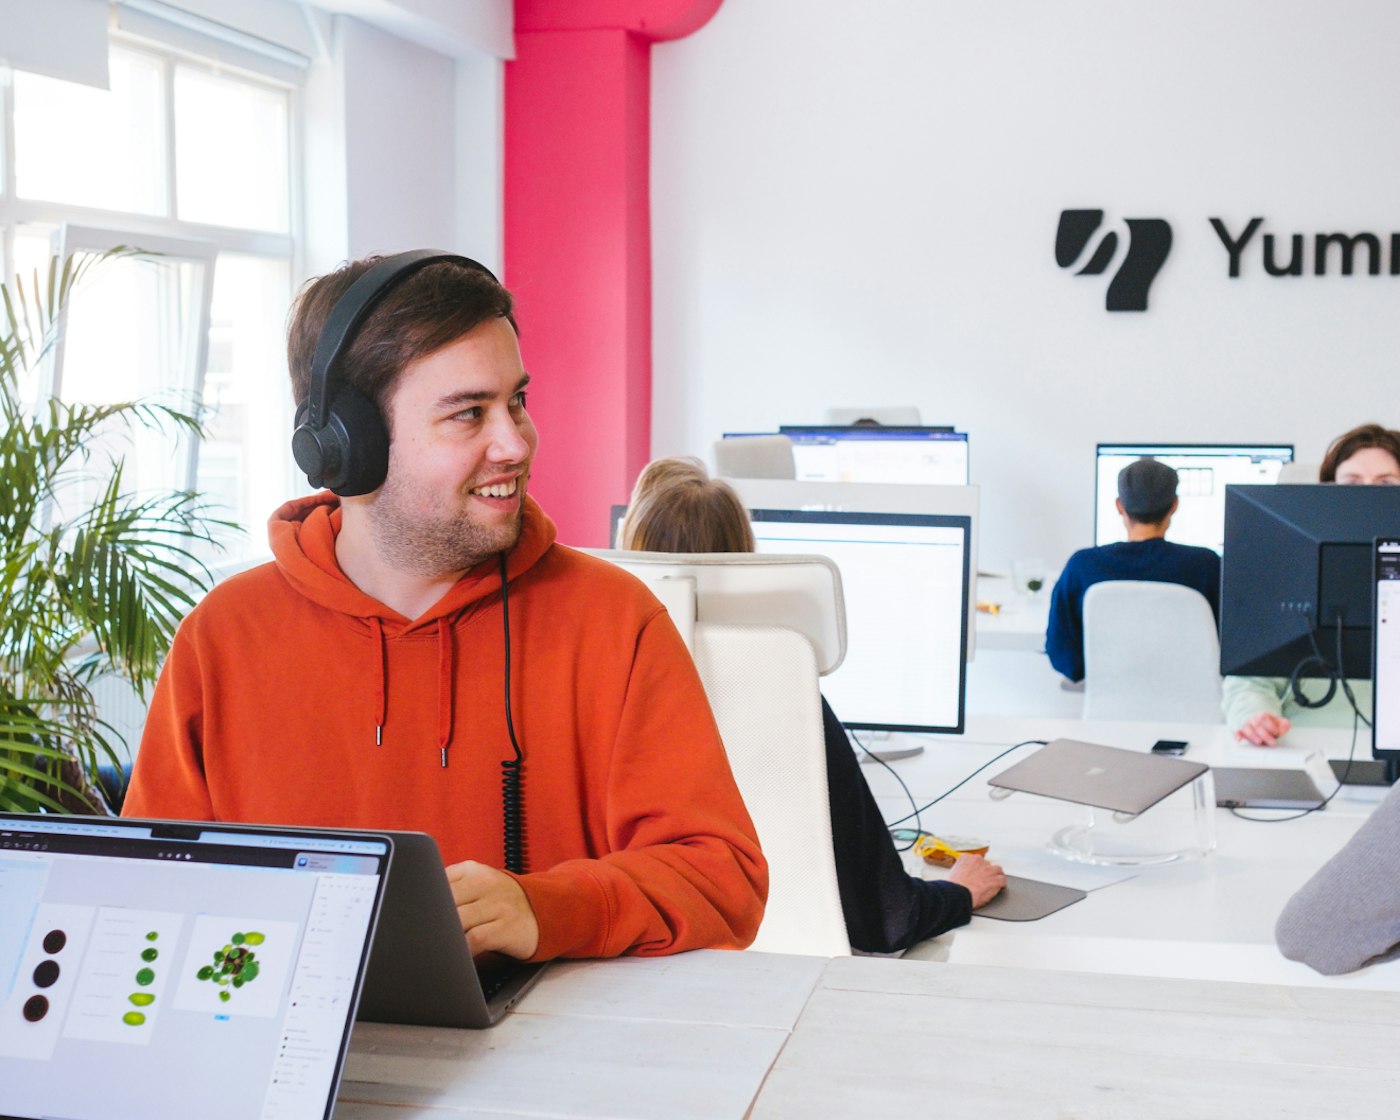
[856,203]
[404,148]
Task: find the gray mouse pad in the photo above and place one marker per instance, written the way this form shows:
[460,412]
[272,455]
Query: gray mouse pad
[1025,900]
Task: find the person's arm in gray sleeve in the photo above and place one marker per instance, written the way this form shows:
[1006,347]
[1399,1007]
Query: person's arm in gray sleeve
[1348,914]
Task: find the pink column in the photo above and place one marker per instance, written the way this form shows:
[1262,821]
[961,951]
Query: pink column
[578,240]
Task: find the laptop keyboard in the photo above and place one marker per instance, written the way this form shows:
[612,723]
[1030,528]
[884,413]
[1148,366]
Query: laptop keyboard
[495,975]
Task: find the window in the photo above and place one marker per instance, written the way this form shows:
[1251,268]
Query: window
[192,161]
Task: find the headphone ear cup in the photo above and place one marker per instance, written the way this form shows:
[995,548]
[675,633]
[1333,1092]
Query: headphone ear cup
[350,454]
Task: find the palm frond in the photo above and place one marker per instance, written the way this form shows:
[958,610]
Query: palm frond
[89,585]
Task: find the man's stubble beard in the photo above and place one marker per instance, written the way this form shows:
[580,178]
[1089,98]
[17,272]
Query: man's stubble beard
[432,546]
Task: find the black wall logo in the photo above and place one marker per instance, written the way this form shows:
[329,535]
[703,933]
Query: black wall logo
[1149,242]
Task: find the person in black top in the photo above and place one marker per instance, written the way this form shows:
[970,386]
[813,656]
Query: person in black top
[677,507]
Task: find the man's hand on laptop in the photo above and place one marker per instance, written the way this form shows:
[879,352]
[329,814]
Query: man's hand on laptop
[495,914]
[1263,729]
[980,876]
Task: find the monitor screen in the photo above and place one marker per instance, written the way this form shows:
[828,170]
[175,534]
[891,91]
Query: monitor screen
[1386,694]
[873,497]
[1296,579]
[1203,472]
[905,580]
[933,456]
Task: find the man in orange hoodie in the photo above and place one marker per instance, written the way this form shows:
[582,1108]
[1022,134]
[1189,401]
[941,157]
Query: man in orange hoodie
[419,633]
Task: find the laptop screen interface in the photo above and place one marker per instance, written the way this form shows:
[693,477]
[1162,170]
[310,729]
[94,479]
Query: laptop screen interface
[213,975]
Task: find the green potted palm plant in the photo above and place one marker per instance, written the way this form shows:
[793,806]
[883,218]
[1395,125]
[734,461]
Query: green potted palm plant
[93,578]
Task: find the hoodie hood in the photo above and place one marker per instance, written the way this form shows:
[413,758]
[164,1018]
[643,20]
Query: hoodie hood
[302,534]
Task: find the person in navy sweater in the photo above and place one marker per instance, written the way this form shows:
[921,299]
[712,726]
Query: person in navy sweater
[1146,501]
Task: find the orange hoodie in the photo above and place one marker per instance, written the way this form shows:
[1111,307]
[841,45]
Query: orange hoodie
[290,696]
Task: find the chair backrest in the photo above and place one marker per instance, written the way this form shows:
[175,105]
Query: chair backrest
[1151,652]
[801,593]
[762,629]
[765,456]
[1295,473]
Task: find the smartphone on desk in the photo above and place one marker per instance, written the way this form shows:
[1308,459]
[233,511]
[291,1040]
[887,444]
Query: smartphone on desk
[1170,746]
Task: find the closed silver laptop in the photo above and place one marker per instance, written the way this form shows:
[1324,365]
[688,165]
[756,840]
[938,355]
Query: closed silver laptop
[1091,774]
[1249,787]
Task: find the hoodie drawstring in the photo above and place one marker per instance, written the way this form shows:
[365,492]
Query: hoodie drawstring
[444,630]
[445,670]
[383,696]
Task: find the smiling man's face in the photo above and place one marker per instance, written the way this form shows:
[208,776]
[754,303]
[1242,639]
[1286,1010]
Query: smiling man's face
[461,445]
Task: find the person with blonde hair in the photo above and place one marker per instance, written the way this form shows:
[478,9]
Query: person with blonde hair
[677,507]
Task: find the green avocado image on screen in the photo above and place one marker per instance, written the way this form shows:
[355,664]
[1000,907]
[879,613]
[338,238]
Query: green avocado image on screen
[234,965]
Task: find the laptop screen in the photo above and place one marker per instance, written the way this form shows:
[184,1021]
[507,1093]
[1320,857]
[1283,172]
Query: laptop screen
[151,969]
[1386,655]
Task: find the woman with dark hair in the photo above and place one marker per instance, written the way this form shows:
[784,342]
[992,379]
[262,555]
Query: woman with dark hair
[1261,710]
[677,507]
[1368,455]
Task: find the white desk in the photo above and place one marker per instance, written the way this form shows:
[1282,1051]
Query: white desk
[670,1038]
[734,1035]
[1209,919]
[1020,623]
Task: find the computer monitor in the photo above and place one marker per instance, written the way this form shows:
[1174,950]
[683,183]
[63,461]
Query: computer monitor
[905,579]
[1296,594]
[932,456]
[1385,661]
[1203,470]
[872,497]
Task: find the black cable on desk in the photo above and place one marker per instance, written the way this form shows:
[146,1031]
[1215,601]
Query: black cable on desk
[907,793]
[1351,755]
[959,785]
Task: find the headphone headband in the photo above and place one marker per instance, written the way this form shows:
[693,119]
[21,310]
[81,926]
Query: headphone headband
[341,441]
[350,310]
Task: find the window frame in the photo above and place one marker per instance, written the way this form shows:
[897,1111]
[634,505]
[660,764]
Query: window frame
[71,226]
[68,239]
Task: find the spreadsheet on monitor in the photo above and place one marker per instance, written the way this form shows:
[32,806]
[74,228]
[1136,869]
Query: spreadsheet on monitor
[1203,472]
[856,453]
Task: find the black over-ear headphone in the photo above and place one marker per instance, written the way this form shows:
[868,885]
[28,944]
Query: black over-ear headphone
[341,440]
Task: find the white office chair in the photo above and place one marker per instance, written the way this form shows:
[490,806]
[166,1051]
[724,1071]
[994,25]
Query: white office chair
[762,630]
[1151,652]
[1295,473]
[765,456]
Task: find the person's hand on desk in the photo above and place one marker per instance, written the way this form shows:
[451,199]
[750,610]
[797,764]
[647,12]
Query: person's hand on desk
[980,876]
[1263,729]
[496,915]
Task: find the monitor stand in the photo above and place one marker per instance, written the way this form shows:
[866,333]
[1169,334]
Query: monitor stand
[886,746]
[1367,771]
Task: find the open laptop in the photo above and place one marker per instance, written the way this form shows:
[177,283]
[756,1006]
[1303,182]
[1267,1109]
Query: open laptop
[175,969]
[420,971]
[1090,774]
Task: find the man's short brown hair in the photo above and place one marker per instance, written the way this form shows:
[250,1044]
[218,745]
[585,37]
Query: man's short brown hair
[422,313]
